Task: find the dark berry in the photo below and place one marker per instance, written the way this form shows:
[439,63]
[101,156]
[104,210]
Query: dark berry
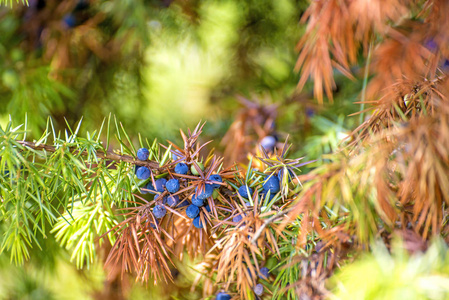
[172,200]
[181,168]
[206,192]
[143,173]
[69,20]
[150,188]
[197,201]
[160,184]
[258,289]
[207,207]
[215,177]
[143,154]
[243,191]
[197,222]
[272,185]
[152,224]
[184,203]
[281,175]
[159,211]
[237,219]
[264,273]
[310,112]
[268,143]
[172,185]
[265,193]
[192,211]
[136,167]
[222,296]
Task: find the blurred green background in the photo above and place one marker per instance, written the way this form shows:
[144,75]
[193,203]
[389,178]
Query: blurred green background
[158,66]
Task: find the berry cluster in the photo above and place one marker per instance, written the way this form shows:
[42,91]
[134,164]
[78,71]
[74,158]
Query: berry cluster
[191,192]
[176,192]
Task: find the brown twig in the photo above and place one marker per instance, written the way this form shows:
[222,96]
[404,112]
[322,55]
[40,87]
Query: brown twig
[100,154]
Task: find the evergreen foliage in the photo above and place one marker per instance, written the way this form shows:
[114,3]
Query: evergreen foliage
[296,200]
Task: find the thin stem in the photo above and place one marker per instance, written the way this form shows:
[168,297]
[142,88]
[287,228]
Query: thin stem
[100,154]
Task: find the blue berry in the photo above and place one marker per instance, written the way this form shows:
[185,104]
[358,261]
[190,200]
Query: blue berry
[243,191]
[69,20]
[150,188]
[237,218]
[159,211]
[172,200]
[272,185]
[264,273]
[268,143]
[172,185]
[143,154]
[197,201]
[181,168]
[310,112]
[281,175]
[222,296]
[265,193]
[160,184]
[197,222]
[192,211]
[152,224]
[184,203]
[215,177]
[206,192]
[258,289]
[143,173]
[207,207]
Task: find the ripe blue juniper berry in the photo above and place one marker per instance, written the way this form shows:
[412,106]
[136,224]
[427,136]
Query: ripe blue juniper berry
[152,224]
[237,218]
[143,173]
[181,168]
[265,194]
[206,192]
[272,184]
[264,273]
[222,296]
[258,289]
[215,177]
[160,184]
[171,200]
[207,207]
[268,143]
[143,153]
[243,191]
[289,177]
[192,211]
[184,203]
[159,211]
[197,201]
[172,185]
[197,222]
[149,186]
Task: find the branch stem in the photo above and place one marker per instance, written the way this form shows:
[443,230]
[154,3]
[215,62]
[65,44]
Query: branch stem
[153,165]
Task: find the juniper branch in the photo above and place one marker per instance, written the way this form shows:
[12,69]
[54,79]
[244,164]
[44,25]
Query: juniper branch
[100,154]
